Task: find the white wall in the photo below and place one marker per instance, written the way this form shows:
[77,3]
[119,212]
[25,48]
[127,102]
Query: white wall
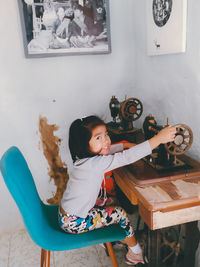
[81,85]
[169,85]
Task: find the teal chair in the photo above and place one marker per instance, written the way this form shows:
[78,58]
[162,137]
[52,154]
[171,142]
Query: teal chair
[41,220]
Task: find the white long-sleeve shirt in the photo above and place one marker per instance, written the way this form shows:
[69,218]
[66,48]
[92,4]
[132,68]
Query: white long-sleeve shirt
[87,175]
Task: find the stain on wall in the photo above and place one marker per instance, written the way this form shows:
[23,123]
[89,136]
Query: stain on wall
[57,168]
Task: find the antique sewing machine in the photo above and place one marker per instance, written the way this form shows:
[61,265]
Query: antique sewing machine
[123,114]
[166,156]
[127,111]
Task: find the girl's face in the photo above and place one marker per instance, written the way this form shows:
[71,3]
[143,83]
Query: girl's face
[100,141]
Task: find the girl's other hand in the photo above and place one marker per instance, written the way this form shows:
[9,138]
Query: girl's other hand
[128,145]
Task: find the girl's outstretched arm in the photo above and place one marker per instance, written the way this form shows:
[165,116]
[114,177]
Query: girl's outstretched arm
[164,136]
[115,160]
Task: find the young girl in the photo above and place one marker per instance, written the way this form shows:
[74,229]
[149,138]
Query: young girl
[93,155]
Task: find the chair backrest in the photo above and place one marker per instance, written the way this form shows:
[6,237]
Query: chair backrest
[41,220]
[20,183]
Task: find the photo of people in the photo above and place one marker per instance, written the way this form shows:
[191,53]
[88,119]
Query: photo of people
[54,27]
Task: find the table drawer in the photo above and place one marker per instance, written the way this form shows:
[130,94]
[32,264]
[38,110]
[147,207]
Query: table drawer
[158,219]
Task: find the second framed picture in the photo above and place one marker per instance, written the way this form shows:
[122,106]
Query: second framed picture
[65,27]
[166,26]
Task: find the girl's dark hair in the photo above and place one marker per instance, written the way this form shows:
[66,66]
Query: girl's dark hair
[80,133]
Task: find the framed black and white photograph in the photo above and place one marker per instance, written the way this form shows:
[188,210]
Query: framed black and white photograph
[65,27]
[166,26]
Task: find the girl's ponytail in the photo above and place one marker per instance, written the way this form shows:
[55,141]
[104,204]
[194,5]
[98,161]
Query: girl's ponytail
[75,138]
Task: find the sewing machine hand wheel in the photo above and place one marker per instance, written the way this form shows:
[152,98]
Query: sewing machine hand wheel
[131,109]
[182,142]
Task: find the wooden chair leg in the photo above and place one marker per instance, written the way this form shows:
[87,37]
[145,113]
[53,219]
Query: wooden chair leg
[112,254]
[45,258]
[42,258]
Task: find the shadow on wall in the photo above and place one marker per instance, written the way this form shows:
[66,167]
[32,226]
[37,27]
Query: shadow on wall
[57,168]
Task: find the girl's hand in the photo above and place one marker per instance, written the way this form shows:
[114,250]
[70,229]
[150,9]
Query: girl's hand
[164,136]
[167,134]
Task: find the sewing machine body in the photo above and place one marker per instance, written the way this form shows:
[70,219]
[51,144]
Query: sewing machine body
[166,157]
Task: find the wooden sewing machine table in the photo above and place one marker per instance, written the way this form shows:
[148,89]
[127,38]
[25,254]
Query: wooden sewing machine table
[164,198]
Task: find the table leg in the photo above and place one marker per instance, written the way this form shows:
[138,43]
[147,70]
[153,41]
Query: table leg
[191,243]
[153,248]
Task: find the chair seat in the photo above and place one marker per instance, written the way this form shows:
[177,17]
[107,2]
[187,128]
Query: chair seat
[59,240]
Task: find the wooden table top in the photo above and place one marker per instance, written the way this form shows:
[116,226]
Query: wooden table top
[140,173]
[160,191]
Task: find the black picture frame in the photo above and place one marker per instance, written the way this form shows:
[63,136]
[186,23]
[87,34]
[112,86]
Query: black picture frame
[65,27]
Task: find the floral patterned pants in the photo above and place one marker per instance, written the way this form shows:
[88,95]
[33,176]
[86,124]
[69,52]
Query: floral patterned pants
[96,218]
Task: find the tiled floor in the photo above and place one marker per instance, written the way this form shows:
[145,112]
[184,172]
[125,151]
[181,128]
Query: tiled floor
[18,250]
